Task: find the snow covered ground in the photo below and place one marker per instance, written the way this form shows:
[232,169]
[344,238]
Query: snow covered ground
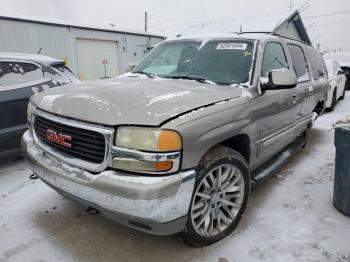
[289,218]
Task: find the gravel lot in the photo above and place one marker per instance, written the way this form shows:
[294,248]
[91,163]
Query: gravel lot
[289,218]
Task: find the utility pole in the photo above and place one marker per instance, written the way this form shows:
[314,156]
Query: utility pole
[146,21]
[291,6]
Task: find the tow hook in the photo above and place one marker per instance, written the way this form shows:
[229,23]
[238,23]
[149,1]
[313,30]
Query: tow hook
[92,211]
[33,177]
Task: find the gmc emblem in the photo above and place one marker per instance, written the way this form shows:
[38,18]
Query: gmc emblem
[60,139]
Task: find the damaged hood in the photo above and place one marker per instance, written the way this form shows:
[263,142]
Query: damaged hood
[131,100]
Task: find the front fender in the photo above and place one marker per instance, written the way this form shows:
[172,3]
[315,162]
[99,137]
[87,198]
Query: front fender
[213,126]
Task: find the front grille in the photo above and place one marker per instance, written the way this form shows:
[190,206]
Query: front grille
[86,145]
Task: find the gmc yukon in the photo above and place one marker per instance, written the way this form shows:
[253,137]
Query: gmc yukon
[175,145]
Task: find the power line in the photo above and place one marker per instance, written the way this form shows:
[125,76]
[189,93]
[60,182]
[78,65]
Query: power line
[328,14]
[181,20]
[334,23]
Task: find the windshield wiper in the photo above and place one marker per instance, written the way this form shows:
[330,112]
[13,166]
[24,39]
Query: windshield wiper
[150,75]
[195,78]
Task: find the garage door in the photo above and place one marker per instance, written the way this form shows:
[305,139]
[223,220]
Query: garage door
[97,59]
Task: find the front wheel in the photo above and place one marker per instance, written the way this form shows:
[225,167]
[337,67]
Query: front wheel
[220,197]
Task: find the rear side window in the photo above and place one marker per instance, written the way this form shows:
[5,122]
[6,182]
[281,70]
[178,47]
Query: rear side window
[318,66]
[13,73]
[299,62]
[274,58]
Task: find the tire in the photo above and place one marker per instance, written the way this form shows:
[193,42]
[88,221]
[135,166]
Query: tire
[343,95]
[334,100]
[224,203]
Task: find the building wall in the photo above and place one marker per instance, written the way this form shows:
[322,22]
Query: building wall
[60,41]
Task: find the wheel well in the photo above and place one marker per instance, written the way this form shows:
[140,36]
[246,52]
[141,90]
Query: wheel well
[319,107]
[240,143]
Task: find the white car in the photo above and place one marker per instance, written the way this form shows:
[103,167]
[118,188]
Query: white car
[337,81]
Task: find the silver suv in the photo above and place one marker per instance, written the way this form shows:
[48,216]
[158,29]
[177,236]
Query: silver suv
[176,144]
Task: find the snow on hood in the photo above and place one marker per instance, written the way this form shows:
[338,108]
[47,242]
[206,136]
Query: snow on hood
[131,100]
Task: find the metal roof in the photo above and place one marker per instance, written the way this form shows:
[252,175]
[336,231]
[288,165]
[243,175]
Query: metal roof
[56,22]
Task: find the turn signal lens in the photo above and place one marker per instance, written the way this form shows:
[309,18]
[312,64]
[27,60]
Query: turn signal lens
[141,166]
[168,141]
[163,166]
[29,110]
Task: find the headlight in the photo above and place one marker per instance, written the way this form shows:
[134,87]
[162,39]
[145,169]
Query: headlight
[162,146]
[148,139]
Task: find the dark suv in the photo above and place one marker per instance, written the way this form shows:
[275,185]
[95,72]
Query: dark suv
[21,76]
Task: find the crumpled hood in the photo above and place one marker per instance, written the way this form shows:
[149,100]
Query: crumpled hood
[131,100]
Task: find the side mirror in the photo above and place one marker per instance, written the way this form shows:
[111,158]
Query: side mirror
[341,72]
[279,79]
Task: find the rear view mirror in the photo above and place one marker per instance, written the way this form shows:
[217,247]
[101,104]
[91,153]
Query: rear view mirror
[279,79]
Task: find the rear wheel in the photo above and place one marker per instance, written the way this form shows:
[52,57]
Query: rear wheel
[220,197]
[334,100]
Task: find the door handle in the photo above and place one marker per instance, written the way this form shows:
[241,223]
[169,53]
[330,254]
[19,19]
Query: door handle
[294,99]
[311,91]
[294,96]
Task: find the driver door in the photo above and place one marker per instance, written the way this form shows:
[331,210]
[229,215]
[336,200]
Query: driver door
[278,108]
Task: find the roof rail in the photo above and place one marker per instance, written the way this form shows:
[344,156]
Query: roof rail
[259,32]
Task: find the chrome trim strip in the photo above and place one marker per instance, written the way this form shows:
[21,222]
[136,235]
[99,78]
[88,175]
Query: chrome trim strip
[143,156]
[304,120]
[105,131]
[275,136]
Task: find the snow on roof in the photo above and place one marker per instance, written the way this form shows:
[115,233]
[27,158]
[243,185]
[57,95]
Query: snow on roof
[264,23]
[32,57]
[217,36]
[343,58]
[58,22]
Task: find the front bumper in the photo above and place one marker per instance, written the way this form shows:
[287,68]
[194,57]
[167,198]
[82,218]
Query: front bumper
[157,205]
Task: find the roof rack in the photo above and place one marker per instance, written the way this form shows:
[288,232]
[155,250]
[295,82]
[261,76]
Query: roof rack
[275,34]
[259,32]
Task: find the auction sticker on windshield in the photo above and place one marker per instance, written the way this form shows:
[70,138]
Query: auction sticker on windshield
[235,46]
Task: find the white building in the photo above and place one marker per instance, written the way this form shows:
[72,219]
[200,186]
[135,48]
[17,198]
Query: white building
[90,52]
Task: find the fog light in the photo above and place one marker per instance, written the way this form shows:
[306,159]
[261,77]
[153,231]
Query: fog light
[141,166]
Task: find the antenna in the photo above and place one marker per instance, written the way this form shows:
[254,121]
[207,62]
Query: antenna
[303,7]
[146,21]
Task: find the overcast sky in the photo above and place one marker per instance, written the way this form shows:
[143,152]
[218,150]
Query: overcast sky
[130,14]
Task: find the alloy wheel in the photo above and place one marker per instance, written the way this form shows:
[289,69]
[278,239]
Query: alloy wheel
[217,200]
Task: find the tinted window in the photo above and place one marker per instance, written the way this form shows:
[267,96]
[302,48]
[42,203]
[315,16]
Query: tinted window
[299,62]
[221,61]
[59,71]
[274,58]
[318,66]
[13,73]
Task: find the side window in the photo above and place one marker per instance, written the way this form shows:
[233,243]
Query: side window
[14,73]
[274,58]
[318,66]
[299,62]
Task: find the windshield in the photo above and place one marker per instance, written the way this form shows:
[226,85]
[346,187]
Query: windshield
[221,61]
